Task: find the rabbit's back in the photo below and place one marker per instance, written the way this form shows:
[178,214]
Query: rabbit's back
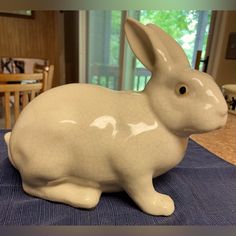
[74,128]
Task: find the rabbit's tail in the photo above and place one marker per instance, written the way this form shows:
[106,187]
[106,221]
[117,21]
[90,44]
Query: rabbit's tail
[7,140]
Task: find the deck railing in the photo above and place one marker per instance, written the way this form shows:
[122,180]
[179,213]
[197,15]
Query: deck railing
[108,76]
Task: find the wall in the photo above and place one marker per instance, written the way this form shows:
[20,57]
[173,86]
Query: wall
[40,37]
[71,45]
[223,70]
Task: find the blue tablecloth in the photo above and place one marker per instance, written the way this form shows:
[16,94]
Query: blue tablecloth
[203,187]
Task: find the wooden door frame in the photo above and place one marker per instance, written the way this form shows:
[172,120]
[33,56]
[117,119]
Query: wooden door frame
[215,42]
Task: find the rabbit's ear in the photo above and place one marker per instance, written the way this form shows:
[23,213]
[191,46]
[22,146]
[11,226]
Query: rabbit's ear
[146,46]
[177,54]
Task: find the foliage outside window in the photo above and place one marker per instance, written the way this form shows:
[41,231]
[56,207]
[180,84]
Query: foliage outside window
[180,24]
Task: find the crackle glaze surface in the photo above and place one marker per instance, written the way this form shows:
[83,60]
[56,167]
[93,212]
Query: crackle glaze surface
[76,141]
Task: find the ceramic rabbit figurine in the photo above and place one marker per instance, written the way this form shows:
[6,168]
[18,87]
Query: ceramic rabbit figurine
[76,141]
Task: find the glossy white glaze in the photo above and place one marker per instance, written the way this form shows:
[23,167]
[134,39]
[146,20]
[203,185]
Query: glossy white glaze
[76,141]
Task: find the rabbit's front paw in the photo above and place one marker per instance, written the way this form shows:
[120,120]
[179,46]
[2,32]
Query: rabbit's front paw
[166,206]
[161,205]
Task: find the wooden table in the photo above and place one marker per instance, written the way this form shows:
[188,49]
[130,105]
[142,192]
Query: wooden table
[221,142]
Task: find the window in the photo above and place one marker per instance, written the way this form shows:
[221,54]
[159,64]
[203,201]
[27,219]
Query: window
[110,59]
[104,48]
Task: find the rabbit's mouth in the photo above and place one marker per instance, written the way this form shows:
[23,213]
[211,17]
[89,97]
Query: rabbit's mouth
[224,114]
[224,118]
[219,122]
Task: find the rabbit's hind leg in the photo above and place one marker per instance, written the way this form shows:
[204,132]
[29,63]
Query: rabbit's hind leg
[68,193]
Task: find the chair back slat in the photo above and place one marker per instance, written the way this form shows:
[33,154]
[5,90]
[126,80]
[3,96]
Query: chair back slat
[25,99]
[20,77]
[20,87]
[20,93]
[32,95]
[7,110]
[16,105]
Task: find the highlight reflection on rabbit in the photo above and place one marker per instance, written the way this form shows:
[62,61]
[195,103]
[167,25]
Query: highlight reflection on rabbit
[76,141]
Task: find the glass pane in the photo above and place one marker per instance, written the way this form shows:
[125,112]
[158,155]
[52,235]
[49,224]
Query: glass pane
[205,38]
[188,27]
[104,48]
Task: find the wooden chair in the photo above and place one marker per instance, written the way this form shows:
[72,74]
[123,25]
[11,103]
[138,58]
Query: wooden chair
[16,85]
[49,69]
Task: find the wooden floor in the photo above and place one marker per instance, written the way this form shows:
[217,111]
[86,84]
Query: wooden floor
[221,142]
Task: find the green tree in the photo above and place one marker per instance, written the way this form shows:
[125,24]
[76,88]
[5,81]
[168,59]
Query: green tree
[115,37]
[180,24]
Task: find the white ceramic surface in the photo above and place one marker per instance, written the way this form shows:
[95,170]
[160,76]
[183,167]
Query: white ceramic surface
[76,141]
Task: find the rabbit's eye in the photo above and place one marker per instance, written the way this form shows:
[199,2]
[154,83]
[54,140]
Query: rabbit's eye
[182,90]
